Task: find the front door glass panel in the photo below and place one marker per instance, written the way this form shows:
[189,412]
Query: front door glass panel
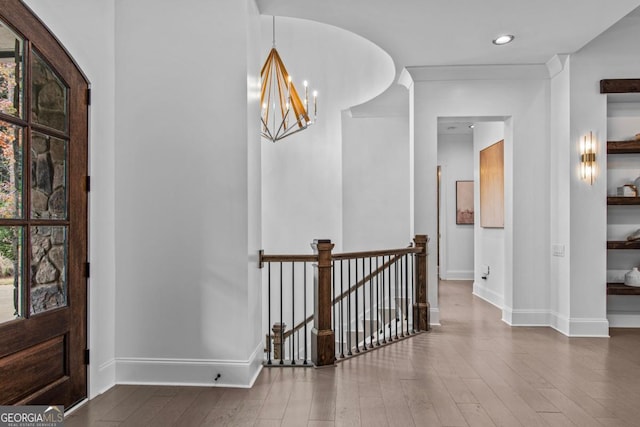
[11,283]
[48,96]
[11,75]
[48,177]
[11,137]
[48,268]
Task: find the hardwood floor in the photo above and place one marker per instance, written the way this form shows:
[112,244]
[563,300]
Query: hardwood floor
[474,370]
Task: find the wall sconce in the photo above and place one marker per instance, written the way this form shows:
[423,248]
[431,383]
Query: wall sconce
[588,158]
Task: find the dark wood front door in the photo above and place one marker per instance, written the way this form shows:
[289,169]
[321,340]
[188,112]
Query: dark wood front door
[43,215]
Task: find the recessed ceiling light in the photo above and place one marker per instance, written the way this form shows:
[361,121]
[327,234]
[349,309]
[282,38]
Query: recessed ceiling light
[507,38]
[471,126]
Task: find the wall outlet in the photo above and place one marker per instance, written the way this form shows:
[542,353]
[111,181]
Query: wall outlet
[557,250]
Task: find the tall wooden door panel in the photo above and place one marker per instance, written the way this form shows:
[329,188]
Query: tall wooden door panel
[43,215]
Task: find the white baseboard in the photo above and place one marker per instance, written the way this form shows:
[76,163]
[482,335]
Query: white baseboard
[190,372]
[458,275]
[102,378]
[623,319]
[579,327]
[488,295]
[521,317]
[560,323]
[583,327]
[434,316]
[71,410]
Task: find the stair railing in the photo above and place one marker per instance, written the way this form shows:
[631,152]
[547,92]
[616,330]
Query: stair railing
[361,300]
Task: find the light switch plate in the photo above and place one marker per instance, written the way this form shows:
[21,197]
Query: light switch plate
[557,250]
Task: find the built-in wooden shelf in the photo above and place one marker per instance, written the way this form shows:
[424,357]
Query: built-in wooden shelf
[623,244]
[623,147]
[622,289]
[622,87]
[623,200]
[619,85]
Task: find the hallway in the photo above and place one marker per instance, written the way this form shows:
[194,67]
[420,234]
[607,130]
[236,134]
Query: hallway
[474,370]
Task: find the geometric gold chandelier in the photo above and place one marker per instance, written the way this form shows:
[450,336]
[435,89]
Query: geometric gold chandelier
[283,112]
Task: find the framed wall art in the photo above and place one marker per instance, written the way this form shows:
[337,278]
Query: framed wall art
[492,186]
[464,202]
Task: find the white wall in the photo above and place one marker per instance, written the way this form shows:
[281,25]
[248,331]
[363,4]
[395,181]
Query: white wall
[455,157]
[85,28]
[254,178]
[302,174]
[187,192]
[176,203]
[489,242]
[522,94]
[559,191]
[611,55]
[375,182]
[185,226]
[577,108]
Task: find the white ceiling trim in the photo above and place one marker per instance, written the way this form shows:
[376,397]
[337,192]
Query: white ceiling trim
[474,72]
[556,64]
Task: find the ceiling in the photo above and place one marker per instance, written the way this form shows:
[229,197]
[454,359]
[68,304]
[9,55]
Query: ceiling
[423,33]
[460,32]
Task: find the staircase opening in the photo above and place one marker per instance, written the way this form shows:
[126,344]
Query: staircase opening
[327,307]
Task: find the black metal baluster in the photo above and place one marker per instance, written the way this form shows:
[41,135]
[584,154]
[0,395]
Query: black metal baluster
[341,310]
[384,308]
[399,299]
[403,277]
[269,344]
[377,301]
[356,315]
[364,310]
[371,299]
[304,273]
[406,291]
[401,305]
[390,305]
[281,321]
[292,345]
[405,330]
[349,353]
[333,297]
[413,273]
[395,292]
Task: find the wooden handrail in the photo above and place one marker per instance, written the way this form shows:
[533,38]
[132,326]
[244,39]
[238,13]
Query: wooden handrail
[346,255]
[371,254]
[262,258]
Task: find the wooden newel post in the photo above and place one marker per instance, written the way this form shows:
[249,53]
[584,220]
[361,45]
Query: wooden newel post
[323,341]
[278,340]
[421,304]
